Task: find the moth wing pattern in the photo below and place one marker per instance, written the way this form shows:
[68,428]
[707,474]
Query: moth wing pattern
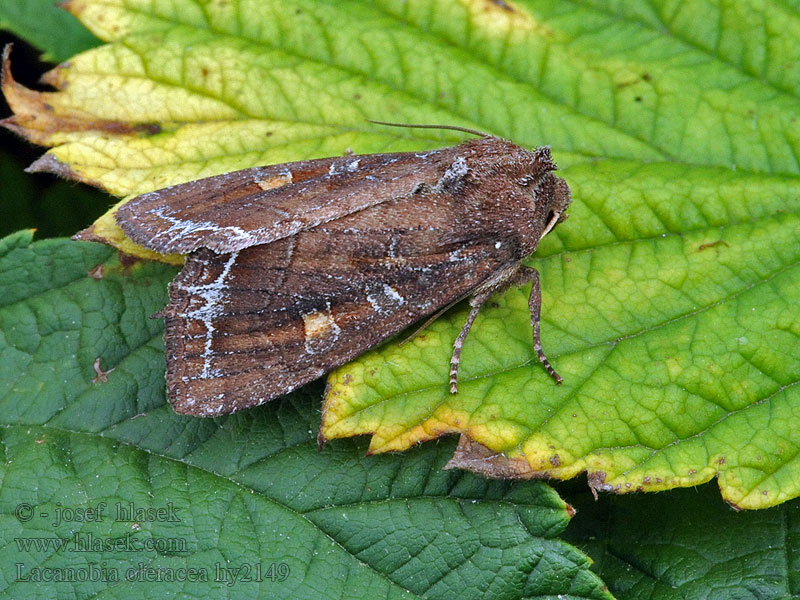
[197,214]
[230,212]
[241,329]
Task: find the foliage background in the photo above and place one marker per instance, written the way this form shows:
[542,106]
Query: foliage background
[679,544]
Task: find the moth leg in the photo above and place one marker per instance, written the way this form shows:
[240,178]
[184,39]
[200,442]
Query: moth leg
[526,275]
[476,302]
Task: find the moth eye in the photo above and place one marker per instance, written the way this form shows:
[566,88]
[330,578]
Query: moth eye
[419,189]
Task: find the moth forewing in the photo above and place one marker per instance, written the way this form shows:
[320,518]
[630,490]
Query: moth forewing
[298,268]
[233,211]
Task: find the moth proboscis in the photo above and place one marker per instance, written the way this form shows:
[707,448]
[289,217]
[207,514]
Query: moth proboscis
[294,269]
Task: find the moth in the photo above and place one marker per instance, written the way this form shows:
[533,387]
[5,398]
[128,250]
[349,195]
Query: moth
[294,269]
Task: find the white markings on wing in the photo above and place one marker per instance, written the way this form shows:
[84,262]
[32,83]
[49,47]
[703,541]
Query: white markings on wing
[346,166]
[455,172]
[383,298]
[182,228]
[393,294]
[212,299]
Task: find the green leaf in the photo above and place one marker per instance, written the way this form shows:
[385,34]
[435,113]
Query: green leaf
[688,544]
[669,295]
[242,493]
[670,310]
[46,25]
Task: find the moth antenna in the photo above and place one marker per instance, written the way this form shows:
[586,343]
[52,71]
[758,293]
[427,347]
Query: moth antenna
[428,321]
[451,127]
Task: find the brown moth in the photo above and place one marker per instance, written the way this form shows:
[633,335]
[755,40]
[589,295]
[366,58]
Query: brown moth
[297,268]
